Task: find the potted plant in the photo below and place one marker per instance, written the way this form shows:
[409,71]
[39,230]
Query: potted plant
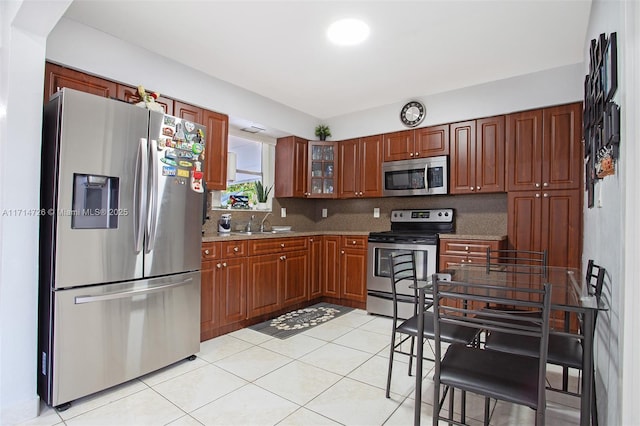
[323,131]
[262,194]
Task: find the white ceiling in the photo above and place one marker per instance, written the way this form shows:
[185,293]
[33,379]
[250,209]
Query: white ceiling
[279,49]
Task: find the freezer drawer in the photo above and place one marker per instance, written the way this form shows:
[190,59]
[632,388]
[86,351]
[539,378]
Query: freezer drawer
[108,334]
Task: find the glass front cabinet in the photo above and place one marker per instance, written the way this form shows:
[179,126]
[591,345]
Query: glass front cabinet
[322,180]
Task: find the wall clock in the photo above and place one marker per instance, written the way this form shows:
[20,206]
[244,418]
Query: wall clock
[412,113]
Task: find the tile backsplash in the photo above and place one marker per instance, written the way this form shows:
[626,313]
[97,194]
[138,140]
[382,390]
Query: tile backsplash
[475,214]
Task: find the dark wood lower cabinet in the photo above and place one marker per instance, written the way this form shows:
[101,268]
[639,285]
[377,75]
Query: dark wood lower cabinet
[264,290]
[331,267]
[249,282]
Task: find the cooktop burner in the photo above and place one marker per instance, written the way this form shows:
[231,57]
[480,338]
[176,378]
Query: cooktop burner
[416,226]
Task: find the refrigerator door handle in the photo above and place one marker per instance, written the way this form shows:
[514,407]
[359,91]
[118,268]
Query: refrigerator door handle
[130,293]
[153,198]
[140,202]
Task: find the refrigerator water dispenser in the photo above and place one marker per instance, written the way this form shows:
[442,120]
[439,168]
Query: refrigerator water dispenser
[95,202]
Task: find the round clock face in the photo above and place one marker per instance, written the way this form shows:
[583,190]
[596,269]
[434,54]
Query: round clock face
[412,113]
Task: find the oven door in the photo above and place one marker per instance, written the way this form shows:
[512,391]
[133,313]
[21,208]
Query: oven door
[379,296]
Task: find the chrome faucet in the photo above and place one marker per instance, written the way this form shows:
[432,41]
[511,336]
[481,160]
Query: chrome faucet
[263,220]
[253,216]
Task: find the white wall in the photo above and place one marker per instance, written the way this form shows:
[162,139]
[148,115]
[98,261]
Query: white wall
[611,232]
[545,88]
[25,25]
[132,65]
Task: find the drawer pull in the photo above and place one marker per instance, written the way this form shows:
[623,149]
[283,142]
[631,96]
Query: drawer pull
[236,249]
[206,251]
[282,245]
[218,266]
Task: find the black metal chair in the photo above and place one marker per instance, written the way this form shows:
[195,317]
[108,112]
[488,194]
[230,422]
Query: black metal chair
[565,350]
[500,375]
[403,273]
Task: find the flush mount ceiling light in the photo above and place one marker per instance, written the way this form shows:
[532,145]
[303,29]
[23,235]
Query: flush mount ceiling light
[347,32]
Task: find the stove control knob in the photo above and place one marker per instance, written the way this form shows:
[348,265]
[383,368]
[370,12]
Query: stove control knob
[440,214]
[446,213]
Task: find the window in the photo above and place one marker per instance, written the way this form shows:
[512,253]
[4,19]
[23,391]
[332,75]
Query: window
[249,160]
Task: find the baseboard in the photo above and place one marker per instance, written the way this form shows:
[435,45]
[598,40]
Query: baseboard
[20,412]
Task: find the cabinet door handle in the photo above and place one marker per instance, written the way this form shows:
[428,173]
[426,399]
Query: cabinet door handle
[471,188]
[341,251]
[283,257]
[478,188]
[545,184]
[537,195]
[411,154]
[537,185]
[282,245]
[224,264]
[236,249]
[354,242]
[466,248]
[206,251]
[545,195]
[218,266]
[417,154]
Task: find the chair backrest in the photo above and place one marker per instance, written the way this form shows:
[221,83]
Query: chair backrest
[403,272]
[595,278]
[460,303]
[518,261]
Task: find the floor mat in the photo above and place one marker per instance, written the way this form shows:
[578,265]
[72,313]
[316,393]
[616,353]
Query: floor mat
[294,322]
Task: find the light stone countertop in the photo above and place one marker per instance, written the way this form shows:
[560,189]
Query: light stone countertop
[454,236]
[234,236]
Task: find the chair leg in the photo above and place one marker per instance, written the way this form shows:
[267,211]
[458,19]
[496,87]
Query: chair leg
[565,378]
[594,405]
[463,406]
[451,401]
[487,405]
[413,342]
[391,351]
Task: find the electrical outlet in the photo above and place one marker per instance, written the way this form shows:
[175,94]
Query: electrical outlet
[324,212]
[376,212]
[283,212]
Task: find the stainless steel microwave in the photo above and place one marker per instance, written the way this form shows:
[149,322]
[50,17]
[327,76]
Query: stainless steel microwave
[418,176]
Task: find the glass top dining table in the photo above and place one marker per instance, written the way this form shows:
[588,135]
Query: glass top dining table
[571,295]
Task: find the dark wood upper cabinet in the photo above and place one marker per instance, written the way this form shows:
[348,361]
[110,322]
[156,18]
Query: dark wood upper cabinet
[130,95]
[291,167]
[57,77]
[215,163]
[490,154]
[349,166]
[432,141]
[562,166]
[360,163]
[477,156]
[463,158]
[544,148]
[188,112]
[398,145]
[371,166]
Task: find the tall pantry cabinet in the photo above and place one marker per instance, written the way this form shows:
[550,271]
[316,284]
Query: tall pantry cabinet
[544,182]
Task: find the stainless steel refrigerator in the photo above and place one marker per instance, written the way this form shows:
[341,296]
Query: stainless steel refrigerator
[120,239]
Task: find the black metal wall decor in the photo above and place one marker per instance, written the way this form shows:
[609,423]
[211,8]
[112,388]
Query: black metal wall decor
[601,116]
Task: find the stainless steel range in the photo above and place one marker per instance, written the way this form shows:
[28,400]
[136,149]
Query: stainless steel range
[411,230]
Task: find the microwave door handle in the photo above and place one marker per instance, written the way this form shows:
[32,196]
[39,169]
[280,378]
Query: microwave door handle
[139,189]
[426,178]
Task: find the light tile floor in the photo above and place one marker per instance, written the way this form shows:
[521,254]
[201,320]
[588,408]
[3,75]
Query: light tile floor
[332,374]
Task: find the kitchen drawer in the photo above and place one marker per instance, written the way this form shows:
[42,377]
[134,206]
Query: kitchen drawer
[232,249]
[353,241]
[475,248]
[210,251]
[277,245]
